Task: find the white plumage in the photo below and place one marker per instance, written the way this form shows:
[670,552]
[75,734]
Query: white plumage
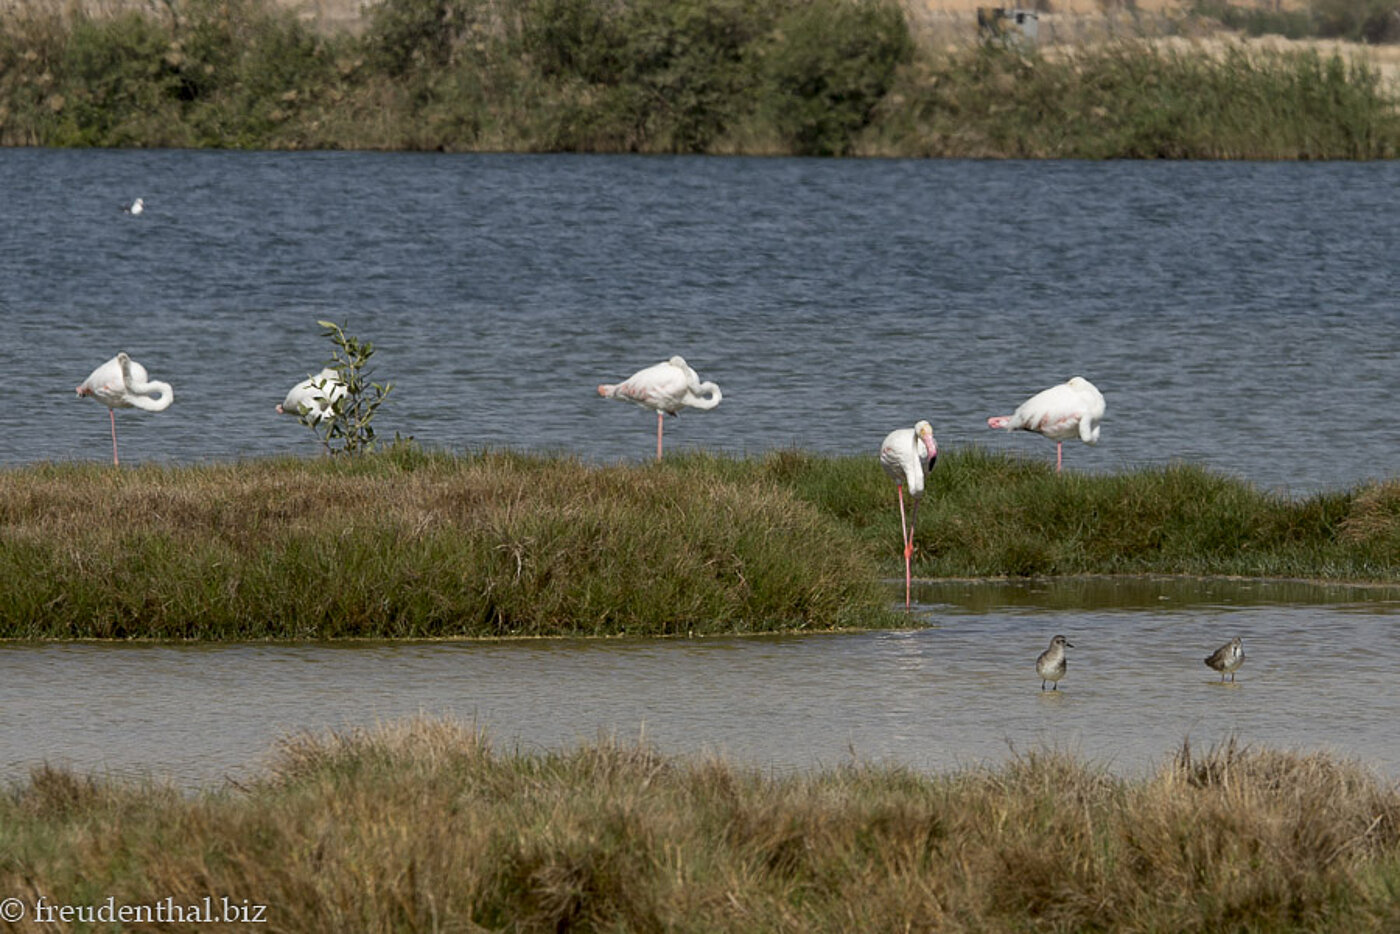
[1073,408]
[665,388]
[122,383]
[908,454]
[313,398]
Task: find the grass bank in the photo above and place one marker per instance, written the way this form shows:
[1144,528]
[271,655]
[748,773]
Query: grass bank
[801,77]
[409,544]
[422,825]
[989,514]
[415,544]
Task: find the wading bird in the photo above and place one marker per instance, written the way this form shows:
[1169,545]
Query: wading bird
[665,389]
[907,454]
[314,398]
[1059,413]
[122,383]
[1227,659]
[1052,664]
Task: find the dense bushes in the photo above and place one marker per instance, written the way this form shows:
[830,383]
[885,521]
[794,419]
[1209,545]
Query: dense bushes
[818,77]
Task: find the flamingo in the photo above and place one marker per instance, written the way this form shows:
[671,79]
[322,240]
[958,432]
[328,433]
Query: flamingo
[665,389]
[1059,413]
[314,398]
[908,454]
[122,383]
[136,207]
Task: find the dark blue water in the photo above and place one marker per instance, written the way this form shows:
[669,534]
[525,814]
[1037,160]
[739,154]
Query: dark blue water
[1244,316]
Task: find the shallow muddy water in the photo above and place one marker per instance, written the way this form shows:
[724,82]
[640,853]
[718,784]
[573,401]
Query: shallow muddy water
[1320,674]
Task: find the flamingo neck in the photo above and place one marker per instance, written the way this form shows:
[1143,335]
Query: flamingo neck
[139,395]
[709,397]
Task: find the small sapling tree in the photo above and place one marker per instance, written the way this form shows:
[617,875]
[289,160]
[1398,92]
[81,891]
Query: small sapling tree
[347,427]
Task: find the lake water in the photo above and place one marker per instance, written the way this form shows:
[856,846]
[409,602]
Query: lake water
[1319,674]
[1241,315]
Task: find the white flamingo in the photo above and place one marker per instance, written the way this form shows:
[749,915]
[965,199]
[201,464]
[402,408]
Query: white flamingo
[665,389]
[122,383]
[907,454]
[314,398]
[136,207]
[1059,413]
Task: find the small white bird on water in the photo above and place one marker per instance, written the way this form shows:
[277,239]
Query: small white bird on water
[1227,659]
[314,398]
[122,383]
[1052,664]
[908,454]
[665,388]
[135,207]
[1059,413]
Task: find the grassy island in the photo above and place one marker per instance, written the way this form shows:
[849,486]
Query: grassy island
[795,77]
[422,825]
[409,543]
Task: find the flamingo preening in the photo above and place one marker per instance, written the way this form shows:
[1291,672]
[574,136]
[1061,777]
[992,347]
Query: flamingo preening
[1059,413]
[907,454]
[665,389]
[122,383]
[314,398]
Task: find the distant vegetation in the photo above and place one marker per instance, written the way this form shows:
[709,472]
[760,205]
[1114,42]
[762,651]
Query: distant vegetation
[422,825]
[804,77]
[405,543]
[1350,20]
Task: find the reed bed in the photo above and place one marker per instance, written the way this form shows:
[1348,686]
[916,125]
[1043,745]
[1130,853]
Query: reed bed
[423,825]
[801,77]
[414,544]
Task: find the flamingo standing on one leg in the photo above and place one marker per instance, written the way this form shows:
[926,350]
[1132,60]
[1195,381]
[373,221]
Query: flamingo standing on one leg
[665,389]
[1059,413]
[907,454]
[314,398]
[122,383]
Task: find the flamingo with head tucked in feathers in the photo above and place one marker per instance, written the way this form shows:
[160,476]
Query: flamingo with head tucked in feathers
[908,454]
[314,398]
[122,383]
[1059,413]
[665,388]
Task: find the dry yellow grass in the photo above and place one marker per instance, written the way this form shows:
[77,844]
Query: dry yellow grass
[422,825]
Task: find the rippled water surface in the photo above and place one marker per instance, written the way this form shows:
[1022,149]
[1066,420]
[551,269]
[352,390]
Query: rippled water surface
[1240,315]
[1319,674]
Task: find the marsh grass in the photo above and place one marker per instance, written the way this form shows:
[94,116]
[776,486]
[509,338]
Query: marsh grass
[422,824]
[990,514]
[412,544]
[409,544]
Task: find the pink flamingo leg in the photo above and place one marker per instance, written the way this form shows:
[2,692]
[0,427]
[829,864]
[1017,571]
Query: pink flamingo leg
[660,420]
[908,544]
[1059,455]
[113,414]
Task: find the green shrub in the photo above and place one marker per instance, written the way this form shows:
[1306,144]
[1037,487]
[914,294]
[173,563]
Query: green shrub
[829,64]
